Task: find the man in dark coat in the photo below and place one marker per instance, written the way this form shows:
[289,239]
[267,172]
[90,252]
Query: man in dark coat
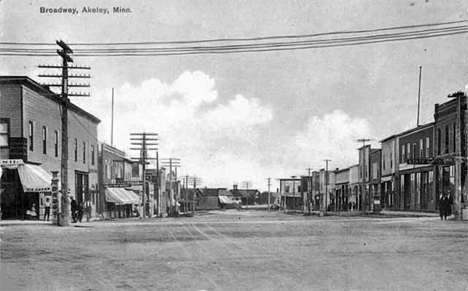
[445,205]
[73,209]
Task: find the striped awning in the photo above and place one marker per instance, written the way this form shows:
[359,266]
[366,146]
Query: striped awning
[121,196]
[34,178]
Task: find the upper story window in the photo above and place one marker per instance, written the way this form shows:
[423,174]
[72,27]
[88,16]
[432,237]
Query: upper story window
[31,136]
[4,134]
[56,143]
[414,151]
[76,150]
[286,189]
[447,140]
[84,152]
[92,155]
[428,153]
[383,161]
[454,139]
[421,148]
[408,151]
[403,154]
[439,141]
[44,140]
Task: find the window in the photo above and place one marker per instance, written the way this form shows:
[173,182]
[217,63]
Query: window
[414,151]
[92,155]
[447,139]
[391,161]
[403,154]
[428,154]
[383,162]
[421,148]
[76,150]
[454,138]
[286,189]
[84,152]
[439,141]
[4,134]
[56,142]
[31,136]
[44,140]
[408,151]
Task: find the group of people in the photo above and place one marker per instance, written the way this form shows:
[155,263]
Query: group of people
[78,209]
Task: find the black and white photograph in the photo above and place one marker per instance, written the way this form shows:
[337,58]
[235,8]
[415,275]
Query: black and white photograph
[207,145]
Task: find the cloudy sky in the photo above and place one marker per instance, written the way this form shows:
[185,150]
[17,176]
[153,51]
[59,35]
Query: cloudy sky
[241,117]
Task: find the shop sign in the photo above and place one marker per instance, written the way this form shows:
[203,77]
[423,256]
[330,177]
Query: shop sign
[419,161]
[444,161]
[11,163]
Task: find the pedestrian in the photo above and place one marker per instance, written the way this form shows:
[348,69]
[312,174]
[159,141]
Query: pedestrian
[79,212]
[73,209]
[88,209]
[47,208]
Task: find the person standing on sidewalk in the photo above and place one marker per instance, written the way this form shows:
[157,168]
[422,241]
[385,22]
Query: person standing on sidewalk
[88,209]
[47,208]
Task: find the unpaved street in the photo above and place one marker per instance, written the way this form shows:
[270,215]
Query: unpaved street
[239,250]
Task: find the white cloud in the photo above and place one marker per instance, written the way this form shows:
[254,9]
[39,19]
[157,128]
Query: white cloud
[217,141]
[334,136]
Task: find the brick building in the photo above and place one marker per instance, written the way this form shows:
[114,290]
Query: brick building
[30,120]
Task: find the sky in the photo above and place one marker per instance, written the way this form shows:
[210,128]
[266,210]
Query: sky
[233,118]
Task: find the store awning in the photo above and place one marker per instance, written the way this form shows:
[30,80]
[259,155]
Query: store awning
[121,196]
[34,178]
[225,200]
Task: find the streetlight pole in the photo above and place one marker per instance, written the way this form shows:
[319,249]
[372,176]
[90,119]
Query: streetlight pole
[294,192]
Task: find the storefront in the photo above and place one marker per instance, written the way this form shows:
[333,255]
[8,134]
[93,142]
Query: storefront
[121,203]
[24,188]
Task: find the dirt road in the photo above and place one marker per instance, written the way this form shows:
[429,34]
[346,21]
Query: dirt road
[239,250]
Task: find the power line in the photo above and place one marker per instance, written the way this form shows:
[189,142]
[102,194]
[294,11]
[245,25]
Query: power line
[247,39]
[252,47]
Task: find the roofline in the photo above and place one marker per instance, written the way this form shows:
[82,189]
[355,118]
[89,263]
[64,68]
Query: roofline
[24,80]
[416,129]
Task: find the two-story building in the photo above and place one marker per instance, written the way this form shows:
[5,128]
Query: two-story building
[31,131]
[415,168]
[389,172]
[291,195]
[342,189]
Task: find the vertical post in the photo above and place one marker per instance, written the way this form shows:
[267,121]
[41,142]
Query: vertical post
[194,193]
[171,193]
[419,95]
[326,184]
[143,161]
[63,217]
[269,183]
[112,119]
[458,162]
[158,184]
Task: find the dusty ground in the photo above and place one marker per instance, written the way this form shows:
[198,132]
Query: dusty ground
[239,250]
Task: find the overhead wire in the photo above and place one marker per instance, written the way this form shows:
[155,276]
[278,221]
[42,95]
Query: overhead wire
[258,47]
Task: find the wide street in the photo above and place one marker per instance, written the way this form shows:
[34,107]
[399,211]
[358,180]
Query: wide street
[239,250]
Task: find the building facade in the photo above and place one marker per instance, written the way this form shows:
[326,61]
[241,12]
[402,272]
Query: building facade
[30,123]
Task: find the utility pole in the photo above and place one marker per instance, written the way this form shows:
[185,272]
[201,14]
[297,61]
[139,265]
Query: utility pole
[326,183]
[171,163]
[146,142]
[65,52]
[363,172]
[194,180]
[309,189]
[269,193]
[186,177]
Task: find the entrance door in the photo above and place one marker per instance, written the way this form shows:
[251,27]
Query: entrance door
[81,187]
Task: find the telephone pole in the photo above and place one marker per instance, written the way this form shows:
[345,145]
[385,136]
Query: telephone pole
[172,163]
[145,142]
[326,184]
[309,189]
[64,53]
[363,169]
[269,193]
[194,180]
